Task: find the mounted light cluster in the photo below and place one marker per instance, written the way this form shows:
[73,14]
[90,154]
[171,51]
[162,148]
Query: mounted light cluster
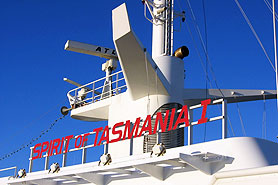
[54,168]
[158,149]
[105,159]
[21,173]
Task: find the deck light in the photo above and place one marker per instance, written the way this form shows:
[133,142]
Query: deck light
[158,150]
[54,168]
[21,173]
[105,159]
[65,110]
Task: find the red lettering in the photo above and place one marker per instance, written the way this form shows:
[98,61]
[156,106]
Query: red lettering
[81,140]
[78,137]
[97,130]
[49,148]
[173,112]
[46,143]
[163,124]
[148,128]
[135,127]
[104,136]
[115,132]
[184,111]
[67,142]
[36,151]
[85,139]
[61,148]
[205,104]
[55,147]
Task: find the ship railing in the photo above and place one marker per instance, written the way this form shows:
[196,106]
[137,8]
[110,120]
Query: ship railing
[97,90]
[65,153]
[86,146]
[10,168]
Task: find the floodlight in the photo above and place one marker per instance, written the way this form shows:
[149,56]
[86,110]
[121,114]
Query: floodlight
[54,168]
[181,52]
[105,159]
[158,149]
[21,173]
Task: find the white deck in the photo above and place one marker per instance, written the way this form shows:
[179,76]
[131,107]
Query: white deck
[240,160]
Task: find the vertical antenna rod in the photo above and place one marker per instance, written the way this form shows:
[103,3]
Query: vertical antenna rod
[275,47]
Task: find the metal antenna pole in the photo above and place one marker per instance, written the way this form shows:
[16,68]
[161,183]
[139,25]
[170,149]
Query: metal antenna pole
[163,17]
[275,47]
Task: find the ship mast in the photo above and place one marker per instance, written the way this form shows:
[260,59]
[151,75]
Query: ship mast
[162,43]
[162,19]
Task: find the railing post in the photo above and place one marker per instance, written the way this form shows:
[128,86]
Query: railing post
[46,163]
[117,86]
[131,142]
[131,146]
[30,160]
[224,119]
[190,127]
[84,153]
[75,99]
[94,92]
[64,162]
[106,148]
[15,171]
[158,136]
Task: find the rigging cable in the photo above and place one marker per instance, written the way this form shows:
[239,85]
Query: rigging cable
[203,46]
[11,137]
[203,66]
[202,43]
[240,118]
[33,139]
[254,32]
[270,9]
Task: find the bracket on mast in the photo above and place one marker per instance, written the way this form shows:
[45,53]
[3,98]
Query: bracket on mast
[156,16]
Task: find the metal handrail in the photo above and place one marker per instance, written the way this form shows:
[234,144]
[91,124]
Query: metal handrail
[223,117]
[94,91]
[6,169]
[103,78]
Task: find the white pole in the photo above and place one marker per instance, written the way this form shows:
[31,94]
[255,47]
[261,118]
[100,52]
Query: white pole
[224,119]
[275,47]
[172,29]
[190,128]
[158,42]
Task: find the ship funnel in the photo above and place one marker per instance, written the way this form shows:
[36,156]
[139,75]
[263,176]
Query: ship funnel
[181,52]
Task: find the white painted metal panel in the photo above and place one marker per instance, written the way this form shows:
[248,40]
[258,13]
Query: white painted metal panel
[137,65]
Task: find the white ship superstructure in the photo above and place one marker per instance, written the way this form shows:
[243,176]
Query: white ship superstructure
[149,86]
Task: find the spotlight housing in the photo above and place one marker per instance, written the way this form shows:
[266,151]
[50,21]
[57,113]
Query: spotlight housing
[181,52]
[105,159]
[21,173]
[158,149]
[54,168]
[65,110]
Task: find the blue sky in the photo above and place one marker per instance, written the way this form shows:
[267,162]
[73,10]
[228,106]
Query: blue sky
[34,63]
